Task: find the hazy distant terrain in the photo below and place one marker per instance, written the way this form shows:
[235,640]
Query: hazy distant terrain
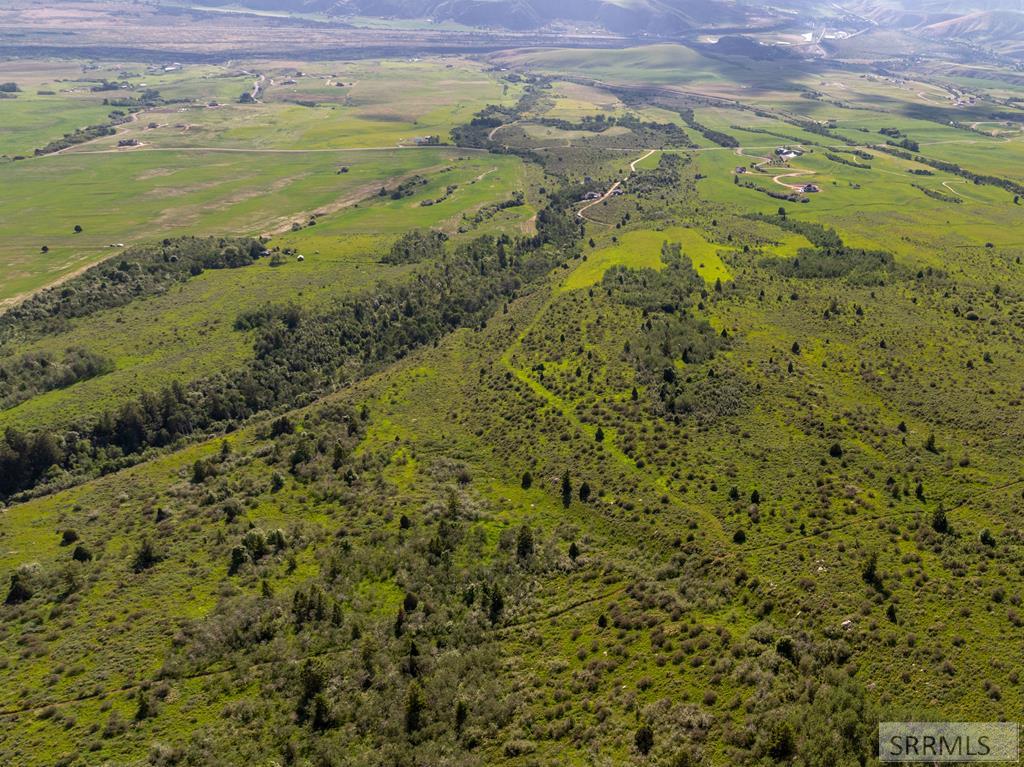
[460,384]
[995,23]
[799,28]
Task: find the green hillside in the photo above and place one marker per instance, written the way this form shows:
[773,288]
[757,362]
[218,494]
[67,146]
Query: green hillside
[548,408]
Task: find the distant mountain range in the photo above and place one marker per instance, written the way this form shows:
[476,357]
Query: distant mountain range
[629,17]
[979,27]
[994,23]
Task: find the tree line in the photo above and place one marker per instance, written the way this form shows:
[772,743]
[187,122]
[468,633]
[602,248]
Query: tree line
[951,167]
[27,375]
[140,272]
[714,136]
[298,356]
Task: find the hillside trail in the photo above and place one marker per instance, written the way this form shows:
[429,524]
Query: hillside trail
[14,300]
[495,129]
[757,165]
[963,181]
[568,411]
[132,118]
[718,543]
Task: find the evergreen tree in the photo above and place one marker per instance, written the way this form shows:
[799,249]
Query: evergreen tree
[414,708]
[524,544]
[644,739]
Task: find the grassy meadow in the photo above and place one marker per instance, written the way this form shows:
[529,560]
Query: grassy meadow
[283,163]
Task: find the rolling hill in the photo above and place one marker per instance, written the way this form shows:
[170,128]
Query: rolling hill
[994,27]
[992,23]
[655,17]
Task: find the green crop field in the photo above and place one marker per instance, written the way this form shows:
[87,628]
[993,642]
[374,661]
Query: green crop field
[176,192]
[628,406]
[174,181]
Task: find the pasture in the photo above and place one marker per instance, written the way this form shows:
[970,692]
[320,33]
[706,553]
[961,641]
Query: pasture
[277,160]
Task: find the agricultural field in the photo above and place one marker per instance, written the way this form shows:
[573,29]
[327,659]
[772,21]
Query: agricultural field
[643,406]
[230,168]
[187,333]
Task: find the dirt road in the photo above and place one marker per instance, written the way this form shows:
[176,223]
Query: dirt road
[611,190]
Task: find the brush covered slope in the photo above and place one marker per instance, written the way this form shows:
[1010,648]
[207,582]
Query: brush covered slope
[630,424]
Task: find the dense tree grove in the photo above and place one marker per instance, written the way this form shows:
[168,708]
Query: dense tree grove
[139,272]
[665,175]
[27,375]
[670,332]
[646,132]
[855,264]
[298,356]
[416,246]
[831,257]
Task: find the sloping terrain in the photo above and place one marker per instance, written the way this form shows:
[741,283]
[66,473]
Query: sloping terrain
[639,408]
[1002,28]
[658,17]
[995,23]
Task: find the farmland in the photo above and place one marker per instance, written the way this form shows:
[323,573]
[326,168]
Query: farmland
[279,160]
[549,406]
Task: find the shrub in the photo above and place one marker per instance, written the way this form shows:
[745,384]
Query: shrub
[644,739]
[146,556]
[23,585]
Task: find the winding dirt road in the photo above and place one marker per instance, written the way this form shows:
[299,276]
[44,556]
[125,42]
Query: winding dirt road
[611,190]
[795,174]
[778,179]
